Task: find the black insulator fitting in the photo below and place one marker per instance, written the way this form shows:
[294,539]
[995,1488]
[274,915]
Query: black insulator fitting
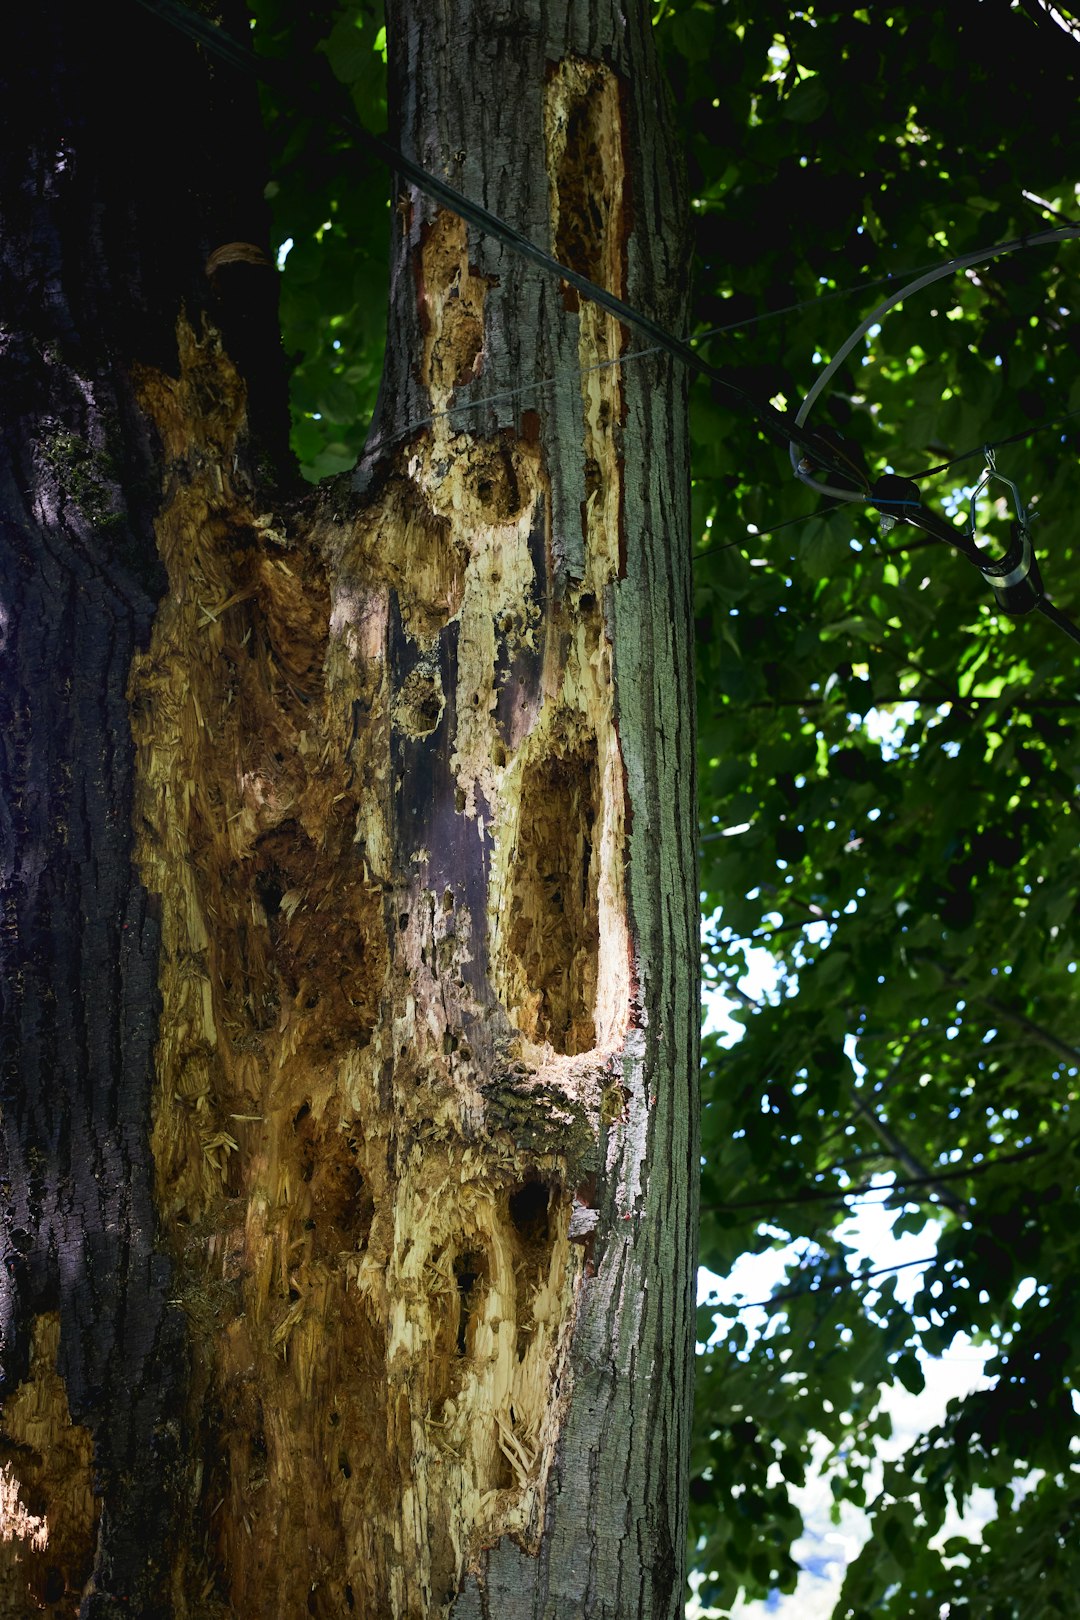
[1015,579]
[893,495]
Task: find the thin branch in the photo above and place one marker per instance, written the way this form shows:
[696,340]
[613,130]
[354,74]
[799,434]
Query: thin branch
[823,1289]
[825,1195]
[733,989]
[1047,1037]
[923,701]
[935,680]
[1070,1054]
[1021,1020]
[912,545]
[903,1154]
[785,927]
[893,1144]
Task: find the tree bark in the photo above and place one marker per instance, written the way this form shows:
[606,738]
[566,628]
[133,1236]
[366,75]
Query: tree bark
[350,1008]
[106,226]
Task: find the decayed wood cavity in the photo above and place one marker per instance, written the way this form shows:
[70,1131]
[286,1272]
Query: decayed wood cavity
[273,965]
[48,1510]
[381,799]
[583,129]
[551,933]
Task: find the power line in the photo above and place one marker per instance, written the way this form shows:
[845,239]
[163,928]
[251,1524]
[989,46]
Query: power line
[836,505]
[828,1195]
[824,1289]
[964,261]
[575,373]
[767,416]
[759,534]
[1016,576]
[995,444]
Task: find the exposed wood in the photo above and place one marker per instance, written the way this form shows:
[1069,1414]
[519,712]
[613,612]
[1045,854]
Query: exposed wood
[108,211]
[413,807]
[367,1141]
[48,1510]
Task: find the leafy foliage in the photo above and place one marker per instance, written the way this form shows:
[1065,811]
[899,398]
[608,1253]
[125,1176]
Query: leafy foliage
[917,898]
[916,895]
[331,206]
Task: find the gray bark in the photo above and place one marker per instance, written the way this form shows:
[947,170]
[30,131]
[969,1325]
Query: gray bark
[470,82]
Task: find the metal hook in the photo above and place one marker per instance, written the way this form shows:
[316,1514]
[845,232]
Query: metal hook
[989,474]
[1014,578]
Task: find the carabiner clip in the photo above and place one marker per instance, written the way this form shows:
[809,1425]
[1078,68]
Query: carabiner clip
[1014,578]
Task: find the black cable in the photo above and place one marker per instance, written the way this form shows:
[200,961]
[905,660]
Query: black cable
[759,534]
[994,444]
[963,261]
[1014,578]
[920,517]
[767,416]
[1055,615]
[937,529]
[535,384]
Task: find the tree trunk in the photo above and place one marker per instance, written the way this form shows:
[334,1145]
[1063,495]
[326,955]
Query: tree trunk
[350,932]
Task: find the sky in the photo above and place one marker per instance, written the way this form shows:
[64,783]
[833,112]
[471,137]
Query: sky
[826,1548]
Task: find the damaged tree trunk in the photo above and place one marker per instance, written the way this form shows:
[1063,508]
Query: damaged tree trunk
[350,938]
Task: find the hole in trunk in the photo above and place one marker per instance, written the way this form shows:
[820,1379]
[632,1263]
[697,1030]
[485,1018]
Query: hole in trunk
[470,1274]
[552,943]
[529,1211]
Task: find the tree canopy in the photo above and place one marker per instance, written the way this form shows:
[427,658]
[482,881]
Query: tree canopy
[888,764]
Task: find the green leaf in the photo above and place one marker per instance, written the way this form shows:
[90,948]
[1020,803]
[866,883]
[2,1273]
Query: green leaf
[348,49]
[910,1373]
[807,101]
[824,547]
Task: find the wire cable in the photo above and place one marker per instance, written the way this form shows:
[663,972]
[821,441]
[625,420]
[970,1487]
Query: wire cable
[965,261]
[816,451]
[1014,578]
[767,416]
[994,444]
[1055,616]
[573,374]
[215,39]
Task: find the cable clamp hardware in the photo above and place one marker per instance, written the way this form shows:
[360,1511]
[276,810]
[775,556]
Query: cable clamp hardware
[1014,578]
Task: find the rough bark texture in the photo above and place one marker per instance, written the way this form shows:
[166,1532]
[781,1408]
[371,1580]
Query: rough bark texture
[105,231]
[349,1146]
